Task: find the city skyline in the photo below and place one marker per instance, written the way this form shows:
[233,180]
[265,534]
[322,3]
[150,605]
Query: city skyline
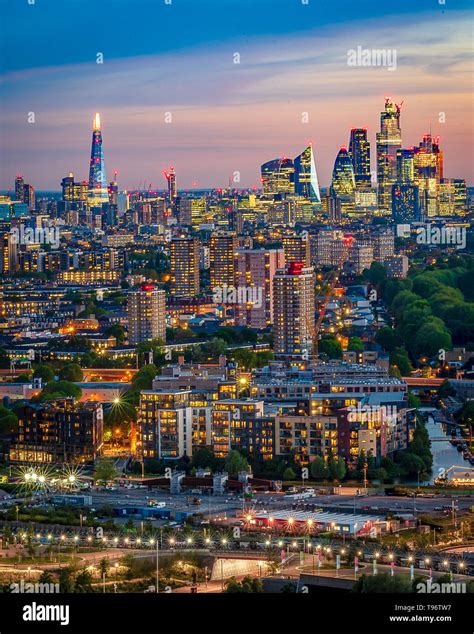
[228,116]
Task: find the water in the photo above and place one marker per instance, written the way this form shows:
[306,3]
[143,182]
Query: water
[444,454]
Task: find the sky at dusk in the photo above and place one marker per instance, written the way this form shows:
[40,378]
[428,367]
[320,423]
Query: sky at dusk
[226,117]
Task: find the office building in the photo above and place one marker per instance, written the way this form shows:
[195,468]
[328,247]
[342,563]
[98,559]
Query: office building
[389,140]
[359,150]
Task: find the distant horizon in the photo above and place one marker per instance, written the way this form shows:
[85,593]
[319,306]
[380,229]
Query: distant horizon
[178,97]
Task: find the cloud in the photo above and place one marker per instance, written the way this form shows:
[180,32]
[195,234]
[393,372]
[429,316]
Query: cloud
[227,116]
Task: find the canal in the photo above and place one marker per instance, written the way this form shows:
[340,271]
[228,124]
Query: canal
[444,454]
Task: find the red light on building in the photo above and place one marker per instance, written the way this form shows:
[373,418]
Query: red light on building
[348,240]
[147,287]
[295,268]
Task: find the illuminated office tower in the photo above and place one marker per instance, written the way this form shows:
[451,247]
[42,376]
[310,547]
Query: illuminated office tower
[406,165]
[73,191]
[452,197]
[278,176]
[9,259]
[24,193]
[113,190]
[98,193]
[170,176]
[146,312]
[29,196]
[296,249]
[293,310]
[254,273]
[428,167]
[359,150]
[343,181]
[19,188]
[222,252]
[389,140]
[306,177]
[192,211]
[405,203]
[184,257]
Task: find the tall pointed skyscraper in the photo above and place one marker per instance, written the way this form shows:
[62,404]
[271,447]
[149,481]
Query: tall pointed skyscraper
[306,178]
[98,193]
[389,140]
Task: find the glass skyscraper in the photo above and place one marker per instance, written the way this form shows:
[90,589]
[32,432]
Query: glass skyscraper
[389,140]
[359,150]
[306,177]
[98,192]
[278,176]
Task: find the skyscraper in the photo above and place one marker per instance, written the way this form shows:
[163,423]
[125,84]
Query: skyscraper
[278,176]
[389,140]
[223,249]
[405,166]
[293,310]
[255,270]
[359,150]
[306,178]
[343,181]
[296,249]
[19,188]
[184,261]
[146,312]
[98,193]
[170,176]
[405,203]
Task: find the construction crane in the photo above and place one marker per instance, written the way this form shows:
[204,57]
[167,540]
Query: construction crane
[331,283]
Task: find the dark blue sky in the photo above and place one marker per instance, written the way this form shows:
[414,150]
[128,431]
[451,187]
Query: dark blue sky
[177,58]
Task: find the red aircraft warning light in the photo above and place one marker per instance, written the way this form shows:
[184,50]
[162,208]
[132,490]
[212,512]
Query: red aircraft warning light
[147,287]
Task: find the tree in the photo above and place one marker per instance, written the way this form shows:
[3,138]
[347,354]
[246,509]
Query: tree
[71,372]
[235,462]
[8,421]
[399,358]
[117,331]
[44,372]
[337,468]
[143,379]
[355,344]
[319,469]
[386,338]
[65,580]
[382,583]
[203,458]
[104,470]
[289,474]
[331,347]
[83,582]
[247,585]
[104,565]
[60,389]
